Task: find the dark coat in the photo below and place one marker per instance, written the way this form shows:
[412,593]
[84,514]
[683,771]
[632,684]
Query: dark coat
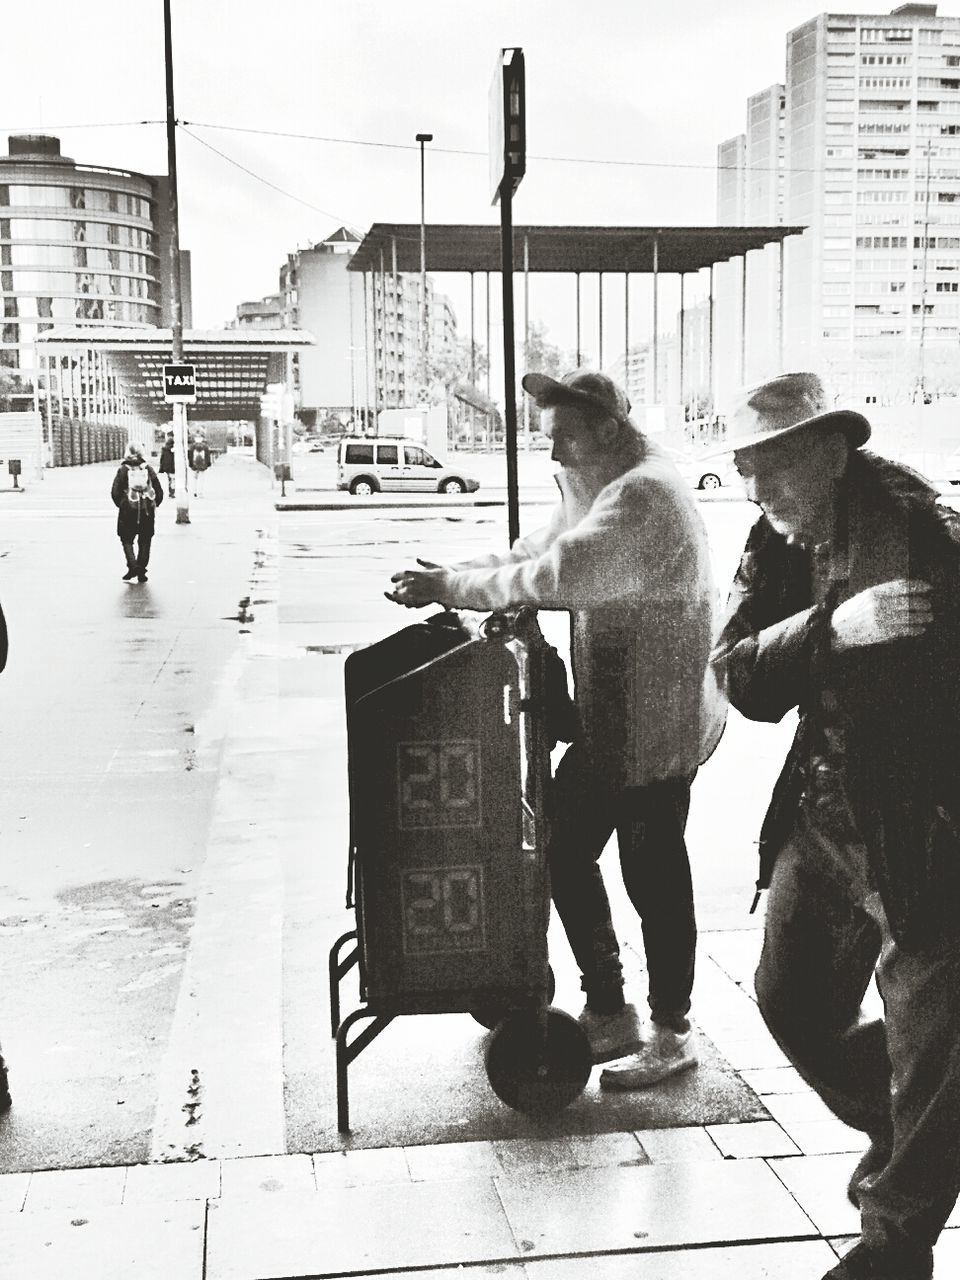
[131,521]
[199,457]
[900,701]
[166,465]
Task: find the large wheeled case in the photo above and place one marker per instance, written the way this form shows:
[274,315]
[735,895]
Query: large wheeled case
[448,766]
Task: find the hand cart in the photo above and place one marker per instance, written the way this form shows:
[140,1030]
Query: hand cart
[448,765]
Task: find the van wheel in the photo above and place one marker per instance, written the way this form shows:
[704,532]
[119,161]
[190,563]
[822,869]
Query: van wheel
[709,481]
[453,486]
[363,487]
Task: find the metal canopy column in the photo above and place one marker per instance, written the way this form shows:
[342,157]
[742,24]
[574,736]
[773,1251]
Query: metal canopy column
[743,322]
[473,366]
[780,309]
[600,320]
[366,357]
[626,329]
[396,323]
[526,331]
[656,288]
[380,347]
[682,283]
[578,319]
[488,332]
[710,310]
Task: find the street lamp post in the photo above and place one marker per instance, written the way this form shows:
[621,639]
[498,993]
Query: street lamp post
[181,474]
[422,138]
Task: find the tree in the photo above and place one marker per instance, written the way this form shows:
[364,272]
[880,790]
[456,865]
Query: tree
[539,356]
[451,366]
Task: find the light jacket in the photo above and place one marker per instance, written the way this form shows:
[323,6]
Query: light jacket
[626,554]
[899,701]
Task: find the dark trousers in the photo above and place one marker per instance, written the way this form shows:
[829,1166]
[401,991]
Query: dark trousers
[141,559]
[649,822]
[894,1077]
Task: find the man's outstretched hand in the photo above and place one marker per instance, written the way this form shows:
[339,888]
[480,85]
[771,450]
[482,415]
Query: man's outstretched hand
[889,611]
[416,587]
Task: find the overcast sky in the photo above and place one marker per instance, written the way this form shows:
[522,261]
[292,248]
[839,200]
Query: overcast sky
[658,85]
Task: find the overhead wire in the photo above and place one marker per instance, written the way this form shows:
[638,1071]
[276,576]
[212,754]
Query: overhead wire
[352,226]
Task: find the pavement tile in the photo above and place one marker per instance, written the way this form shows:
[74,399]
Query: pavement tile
[752,1051]
[774,1080]
[362,1168]
[535,1155]
[821,1137]
[796,1260]
[374,1228]
[597,1150]
[670,1146]
[447,1160]
[819,1186]
[247,1176]
[13,1191]
[797,1108]
[585,1210]
[148,1242]
[182,1180]
[752,1139]
[75,1188]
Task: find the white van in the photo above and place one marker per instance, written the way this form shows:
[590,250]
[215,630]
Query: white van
[395,464]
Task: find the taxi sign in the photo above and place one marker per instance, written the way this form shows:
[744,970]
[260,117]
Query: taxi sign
[180,384]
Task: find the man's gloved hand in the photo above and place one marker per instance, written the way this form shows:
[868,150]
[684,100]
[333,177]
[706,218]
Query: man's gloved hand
[889,611]
[417,587]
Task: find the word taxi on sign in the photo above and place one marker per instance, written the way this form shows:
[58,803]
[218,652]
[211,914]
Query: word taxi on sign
[180,383]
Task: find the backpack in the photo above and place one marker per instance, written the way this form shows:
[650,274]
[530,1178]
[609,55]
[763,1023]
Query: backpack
[140,495]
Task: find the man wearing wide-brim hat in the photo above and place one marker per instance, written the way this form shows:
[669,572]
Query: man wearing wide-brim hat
[845,608]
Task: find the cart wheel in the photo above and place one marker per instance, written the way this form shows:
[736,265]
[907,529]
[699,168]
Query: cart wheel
[489,1015]
[536,1074]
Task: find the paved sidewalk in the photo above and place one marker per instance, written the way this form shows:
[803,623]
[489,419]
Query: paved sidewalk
[725,1201]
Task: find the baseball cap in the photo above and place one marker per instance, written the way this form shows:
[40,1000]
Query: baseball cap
[584,387]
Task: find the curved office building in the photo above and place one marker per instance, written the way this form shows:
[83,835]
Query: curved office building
[79,245]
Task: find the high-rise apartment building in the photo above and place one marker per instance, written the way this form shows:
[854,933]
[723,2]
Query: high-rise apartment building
[870,164]
[367,331]
[79,245]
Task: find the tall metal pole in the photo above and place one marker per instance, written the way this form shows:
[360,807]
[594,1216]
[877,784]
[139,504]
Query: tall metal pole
[176,308]
[422,138]
[509,362]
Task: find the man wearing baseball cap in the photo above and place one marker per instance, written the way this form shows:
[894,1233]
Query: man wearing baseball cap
[625,553]
[846,608]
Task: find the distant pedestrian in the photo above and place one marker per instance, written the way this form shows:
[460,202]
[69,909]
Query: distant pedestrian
[199,462]
[136,494]
[167,466]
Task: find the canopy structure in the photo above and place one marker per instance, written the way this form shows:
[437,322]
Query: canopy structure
[644,250]
[395,248]
[233,367]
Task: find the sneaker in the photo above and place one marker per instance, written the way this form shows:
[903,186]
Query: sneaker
[872,1161]
[864,1263]
[129,575]
[612,1035]
[665,1053]
[141,577]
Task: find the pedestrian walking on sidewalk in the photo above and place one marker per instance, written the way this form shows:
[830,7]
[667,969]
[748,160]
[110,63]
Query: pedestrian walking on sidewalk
[625,553]
[136,494]
[846,606]
[167,466]
[199,462]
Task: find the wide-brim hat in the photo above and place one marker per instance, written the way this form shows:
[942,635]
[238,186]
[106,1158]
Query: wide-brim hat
[783,406]
[585,388]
